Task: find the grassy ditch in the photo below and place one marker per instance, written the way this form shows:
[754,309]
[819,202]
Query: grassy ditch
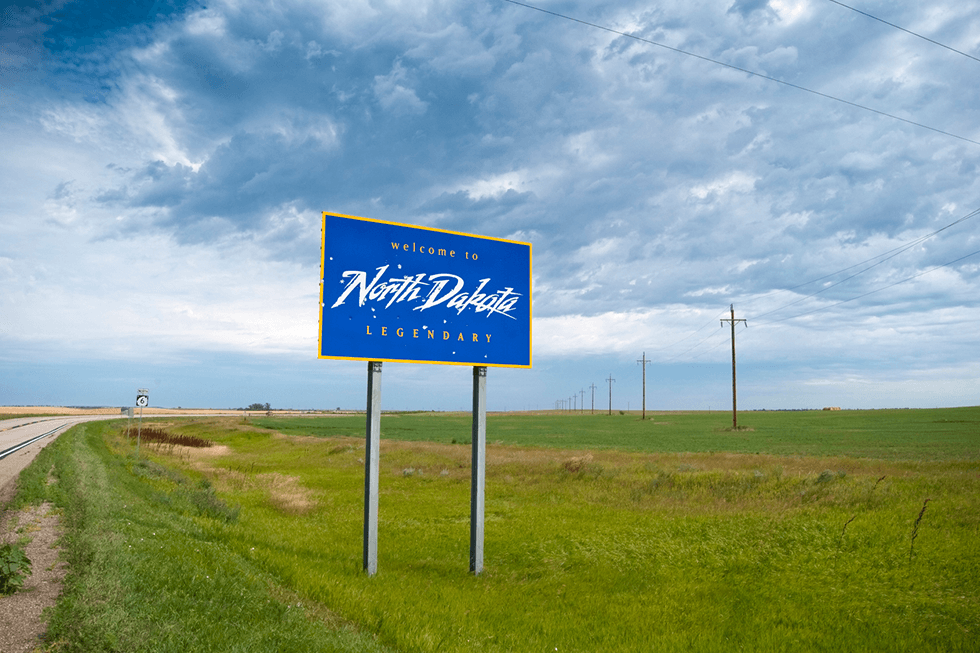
[618,550]
[150,564]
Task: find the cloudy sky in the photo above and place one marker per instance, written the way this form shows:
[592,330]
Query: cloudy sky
[165,164]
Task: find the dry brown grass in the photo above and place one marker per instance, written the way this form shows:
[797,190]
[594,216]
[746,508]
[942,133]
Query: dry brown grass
[14,411]
[190,453]
[286,494]
[577,463]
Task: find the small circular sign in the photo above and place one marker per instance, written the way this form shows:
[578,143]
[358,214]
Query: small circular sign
[142,401]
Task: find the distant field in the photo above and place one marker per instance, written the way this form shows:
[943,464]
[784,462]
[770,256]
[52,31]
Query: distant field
[940,434]
[819,531]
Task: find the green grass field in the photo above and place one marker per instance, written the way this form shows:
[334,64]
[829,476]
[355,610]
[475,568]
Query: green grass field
[805,532]
[940,434]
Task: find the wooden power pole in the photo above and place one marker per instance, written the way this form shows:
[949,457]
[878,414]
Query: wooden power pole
[593,386]
[611,381]
[643,361]
[732,320]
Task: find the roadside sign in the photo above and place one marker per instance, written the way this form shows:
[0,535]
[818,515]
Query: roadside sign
[403,293]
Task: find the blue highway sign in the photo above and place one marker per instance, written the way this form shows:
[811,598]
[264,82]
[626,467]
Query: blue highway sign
[396,292]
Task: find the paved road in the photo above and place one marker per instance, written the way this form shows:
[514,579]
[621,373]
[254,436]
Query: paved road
[17,431]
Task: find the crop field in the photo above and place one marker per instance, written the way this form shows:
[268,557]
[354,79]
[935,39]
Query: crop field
[805,531]
[952,433]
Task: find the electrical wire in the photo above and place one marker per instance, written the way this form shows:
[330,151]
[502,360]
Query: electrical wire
[725,341]
[690,335]
[880,258]
[907,31]
[883,257]
[694,347]
[746,71]
[890,254]
[871,292]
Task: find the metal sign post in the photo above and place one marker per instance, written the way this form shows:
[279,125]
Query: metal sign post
[372,467]
[478,466]
[142,399]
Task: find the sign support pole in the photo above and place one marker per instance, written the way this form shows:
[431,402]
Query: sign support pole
[142,399]
[372,464]
[478,468]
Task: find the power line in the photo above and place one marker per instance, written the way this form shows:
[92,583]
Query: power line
[816,310]
[879,259]
[696,345]
[891,285]
[711,349]
[746,71]
[693,333]
[908,245]
[890,254]
[907,31]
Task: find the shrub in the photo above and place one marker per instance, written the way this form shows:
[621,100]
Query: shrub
[14,568]
[150,434]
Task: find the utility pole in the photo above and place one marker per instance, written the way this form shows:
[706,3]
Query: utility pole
[611,381]
[732,320]
[643,361]
[593,386]
[582,405]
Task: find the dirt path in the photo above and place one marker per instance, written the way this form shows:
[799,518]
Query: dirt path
[21,623]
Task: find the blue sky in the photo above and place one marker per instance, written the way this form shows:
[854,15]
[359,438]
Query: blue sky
[165,165]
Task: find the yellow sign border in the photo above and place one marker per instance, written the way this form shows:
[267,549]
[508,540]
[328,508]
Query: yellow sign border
[530,285]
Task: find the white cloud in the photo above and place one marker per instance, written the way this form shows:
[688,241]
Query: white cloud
[207,22]
[497,185]
[790,11]
[588,148]
[718,290]
[156,296]
[195,153]
[734,182]
[395,96]
[453,49]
